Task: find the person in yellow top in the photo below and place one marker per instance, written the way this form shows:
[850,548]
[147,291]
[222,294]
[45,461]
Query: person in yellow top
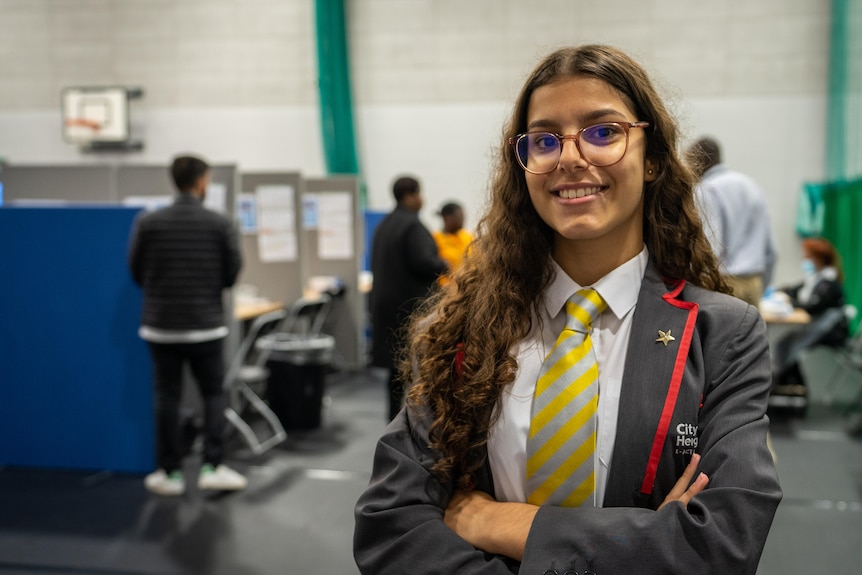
[453,239]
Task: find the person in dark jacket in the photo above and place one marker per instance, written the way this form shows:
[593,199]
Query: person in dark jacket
[183,256]
[405,266]
[820,294]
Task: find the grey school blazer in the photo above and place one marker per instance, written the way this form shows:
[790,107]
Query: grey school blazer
[705,391]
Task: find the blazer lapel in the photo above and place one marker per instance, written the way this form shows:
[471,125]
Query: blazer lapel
[656,337]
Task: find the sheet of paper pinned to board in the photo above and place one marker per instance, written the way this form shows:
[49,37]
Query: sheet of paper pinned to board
[309,211]
[216,198]
[246,211]
[276,224]
[335,226]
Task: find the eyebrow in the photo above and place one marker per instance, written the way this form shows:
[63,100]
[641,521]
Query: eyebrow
[586,119]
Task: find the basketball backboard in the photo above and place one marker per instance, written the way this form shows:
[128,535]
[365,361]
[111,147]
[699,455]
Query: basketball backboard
[95,115]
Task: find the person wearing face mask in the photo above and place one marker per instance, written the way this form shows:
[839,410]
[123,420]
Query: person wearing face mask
[821,294]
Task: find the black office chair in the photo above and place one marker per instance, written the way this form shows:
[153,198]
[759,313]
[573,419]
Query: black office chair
[246,372]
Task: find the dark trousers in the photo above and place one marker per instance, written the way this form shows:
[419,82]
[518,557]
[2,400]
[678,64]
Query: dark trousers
[205,361]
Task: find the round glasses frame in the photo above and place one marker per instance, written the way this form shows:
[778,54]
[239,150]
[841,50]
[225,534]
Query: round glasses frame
[576,137]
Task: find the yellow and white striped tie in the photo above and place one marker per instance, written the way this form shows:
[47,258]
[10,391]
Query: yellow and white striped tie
[562,441]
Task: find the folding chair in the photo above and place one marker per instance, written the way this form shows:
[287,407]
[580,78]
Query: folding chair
[307,315]
[247,369]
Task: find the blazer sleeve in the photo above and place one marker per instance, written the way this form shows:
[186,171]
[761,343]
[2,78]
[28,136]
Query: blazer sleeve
[724,528]
[399,518]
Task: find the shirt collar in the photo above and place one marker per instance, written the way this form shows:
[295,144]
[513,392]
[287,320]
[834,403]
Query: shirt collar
[619,288]
[714,170]
[187,198]
[828,273]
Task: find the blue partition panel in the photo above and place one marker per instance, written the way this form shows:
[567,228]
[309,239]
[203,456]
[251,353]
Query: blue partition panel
[75,386]
[372,219]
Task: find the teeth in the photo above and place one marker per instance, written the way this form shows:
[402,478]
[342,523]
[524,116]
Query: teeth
[579,193]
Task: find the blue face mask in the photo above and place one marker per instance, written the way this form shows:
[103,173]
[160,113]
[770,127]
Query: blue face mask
[808,267]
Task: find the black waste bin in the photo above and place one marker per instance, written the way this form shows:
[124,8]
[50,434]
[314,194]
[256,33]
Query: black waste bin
[297,370]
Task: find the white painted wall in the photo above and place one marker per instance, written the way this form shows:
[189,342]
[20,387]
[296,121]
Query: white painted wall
[235,80]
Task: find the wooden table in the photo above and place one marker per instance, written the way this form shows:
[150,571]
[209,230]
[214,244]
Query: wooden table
[796,317]
[247,311]
[780,324]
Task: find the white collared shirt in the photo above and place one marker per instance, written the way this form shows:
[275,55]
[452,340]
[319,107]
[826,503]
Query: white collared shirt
[507,442]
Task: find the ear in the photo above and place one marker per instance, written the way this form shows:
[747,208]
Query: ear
[650,170]
[203,183]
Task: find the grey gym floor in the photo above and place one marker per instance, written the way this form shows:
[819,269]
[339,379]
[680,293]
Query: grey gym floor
[297,515]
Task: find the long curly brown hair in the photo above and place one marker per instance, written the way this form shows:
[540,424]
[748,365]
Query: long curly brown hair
[459,356]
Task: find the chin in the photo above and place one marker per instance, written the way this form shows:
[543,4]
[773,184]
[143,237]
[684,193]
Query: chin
[578,236]
[578,232]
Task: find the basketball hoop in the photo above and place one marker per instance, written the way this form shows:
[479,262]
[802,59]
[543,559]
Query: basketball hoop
[84,123]
[96,118]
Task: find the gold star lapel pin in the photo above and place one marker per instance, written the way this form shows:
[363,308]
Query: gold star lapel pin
[665,337]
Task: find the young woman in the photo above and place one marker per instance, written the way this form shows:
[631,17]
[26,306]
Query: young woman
[589,192]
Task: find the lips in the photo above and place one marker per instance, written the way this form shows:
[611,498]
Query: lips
[571,194]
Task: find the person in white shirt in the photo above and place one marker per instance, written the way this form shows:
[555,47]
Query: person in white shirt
[736,221]
[589,193]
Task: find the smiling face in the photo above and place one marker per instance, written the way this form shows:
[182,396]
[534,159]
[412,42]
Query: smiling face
[592,210]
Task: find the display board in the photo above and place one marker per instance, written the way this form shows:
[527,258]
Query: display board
[135,185]
[276,278]
[76,387]
[73,183]
[334,245]
[103,183]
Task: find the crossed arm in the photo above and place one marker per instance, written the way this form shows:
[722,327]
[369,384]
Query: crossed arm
[407,520]
[502,528]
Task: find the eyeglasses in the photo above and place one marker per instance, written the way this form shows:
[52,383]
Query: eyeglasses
[601,145]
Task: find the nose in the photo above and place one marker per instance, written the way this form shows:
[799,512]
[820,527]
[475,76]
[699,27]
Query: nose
[570,155]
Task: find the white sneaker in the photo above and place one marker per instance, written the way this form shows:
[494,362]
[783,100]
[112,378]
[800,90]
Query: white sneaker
[221,478]
[161,483]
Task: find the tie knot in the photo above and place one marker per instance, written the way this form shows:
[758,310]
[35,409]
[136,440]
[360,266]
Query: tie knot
[583,308]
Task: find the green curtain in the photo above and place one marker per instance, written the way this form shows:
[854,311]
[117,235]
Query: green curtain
[843,209]
[834,209]
[336,102]
[844,133]
[809,211]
